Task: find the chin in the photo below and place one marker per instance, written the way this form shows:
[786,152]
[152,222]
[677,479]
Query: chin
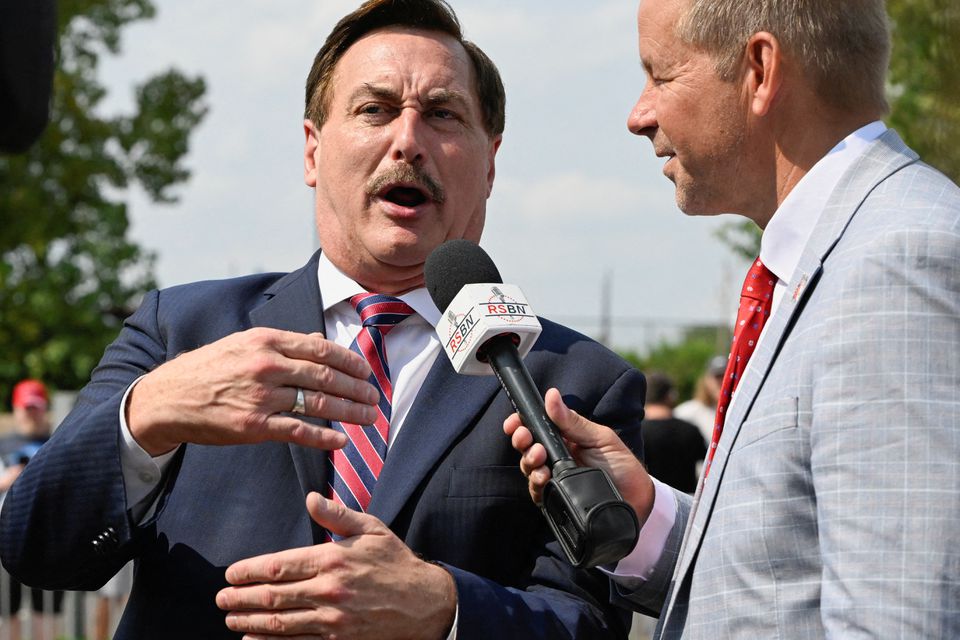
[692,203]
[406,251]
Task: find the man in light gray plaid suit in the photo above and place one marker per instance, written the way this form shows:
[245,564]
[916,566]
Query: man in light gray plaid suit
[832,506]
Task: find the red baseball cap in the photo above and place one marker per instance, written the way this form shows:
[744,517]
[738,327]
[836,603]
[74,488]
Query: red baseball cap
[30,393]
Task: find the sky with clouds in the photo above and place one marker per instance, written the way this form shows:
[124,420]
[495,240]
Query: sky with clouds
[577,198]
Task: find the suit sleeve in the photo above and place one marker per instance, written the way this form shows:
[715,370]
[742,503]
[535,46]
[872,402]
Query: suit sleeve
[561,602]
[65,522]
[885,441]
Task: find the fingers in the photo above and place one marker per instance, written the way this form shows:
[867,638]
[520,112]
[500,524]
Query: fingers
[336,518]
[574,427]
[533,457]
[283,566]
[331,369]
[270,624]
[325,404]
[284,428]
[316,348]
[579,432]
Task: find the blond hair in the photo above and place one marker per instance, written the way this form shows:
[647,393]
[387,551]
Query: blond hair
[843,45]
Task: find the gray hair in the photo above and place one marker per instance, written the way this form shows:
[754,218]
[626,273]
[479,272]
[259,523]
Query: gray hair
[843,45]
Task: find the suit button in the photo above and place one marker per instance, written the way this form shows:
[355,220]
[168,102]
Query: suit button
[105,541]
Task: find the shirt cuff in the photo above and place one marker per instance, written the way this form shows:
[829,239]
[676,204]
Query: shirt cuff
[141,471]
[652,540]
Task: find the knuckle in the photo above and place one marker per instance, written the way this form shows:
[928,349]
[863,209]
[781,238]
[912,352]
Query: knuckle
[250,421]
[275,570]
[322,348]
[258,394]
[332,591]
[261,363]
[267,600]
[321,401]
[275,623]
[325,376]
[258,336]
[338,621]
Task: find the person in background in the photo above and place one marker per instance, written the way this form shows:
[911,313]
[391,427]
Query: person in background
[701,409]
[31,415]
[673,448]
[110,599]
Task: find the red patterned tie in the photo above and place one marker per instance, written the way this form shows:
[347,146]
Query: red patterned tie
[353,470]
[755,301]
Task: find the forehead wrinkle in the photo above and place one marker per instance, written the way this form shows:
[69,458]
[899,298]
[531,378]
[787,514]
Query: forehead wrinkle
[371,90]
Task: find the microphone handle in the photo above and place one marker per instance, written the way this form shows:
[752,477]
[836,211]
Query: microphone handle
[582,506]
[505,360]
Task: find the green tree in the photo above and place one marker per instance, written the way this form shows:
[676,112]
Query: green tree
[924,95]
[69,273]
[925,79]
[684,360]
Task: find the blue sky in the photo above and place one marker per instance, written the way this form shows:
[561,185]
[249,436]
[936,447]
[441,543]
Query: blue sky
[576,196]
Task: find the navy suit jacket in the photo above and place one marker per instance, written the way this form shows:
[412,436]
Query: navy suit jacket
[450,487]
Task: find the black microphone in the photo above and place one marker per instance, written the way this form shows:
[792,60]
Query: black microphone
[488,325]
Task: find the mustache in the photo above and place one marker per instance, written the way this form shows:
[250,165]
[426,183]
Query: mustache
[408,174]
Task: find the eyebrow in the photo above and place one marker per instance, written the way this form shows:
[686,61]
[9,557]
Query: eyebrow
[435,97]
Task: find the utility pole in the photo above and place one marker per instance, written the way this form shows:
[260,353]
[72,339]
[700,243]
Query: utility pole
[605,302]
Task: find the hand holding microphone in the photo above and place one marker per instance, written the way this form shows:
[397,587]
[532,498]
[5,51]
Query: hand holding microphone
[487,327]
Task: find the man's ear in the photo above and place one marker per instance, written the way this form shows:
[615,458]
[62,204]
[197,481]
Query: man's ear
[492,162]
[311,153]
[764,71]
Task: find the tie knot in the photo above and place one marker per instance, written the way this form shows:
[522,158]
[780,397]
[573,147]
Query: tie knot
[378,310]
[759,282]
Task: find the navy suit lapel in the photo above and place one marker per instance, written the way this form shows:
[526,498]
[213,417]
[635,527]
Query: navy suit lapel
[294,304]
[446,406]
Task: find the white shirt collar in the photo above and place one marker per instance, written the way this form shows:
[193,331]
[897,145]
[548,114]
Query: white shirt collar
[337,288]
[792,224]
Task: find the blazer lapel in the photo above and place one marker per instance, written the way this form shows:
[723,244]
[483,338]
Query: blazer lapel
[447,405]
[294,304]
[886,155]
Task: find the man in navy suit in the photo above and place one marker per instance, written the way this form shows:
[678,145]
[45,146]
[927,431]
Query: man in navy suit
[201,433]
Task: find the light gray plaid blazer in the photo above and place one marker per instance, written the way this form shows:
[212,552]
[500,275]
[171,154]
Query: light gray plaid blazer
[833,505]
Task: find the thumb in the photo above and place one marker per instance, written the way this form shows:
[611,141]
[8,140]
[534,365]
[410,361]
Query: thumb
[338,519]
[574,427]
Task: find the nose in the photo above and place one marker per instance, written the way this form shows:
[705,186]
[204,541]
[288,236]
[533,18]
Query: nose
[408,137]
[642,120]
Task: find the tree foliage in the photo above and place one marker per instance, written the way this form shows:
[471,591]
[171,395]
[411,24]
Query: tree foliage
[69,272]
[683,360]
[925,79]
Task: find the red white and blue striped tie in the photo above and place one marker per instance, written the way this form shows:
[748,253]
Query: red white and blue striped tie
[353,470]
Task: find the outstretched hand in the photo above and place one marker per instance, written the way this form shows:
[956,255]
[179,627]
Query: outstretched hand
[241,389]
[591,445]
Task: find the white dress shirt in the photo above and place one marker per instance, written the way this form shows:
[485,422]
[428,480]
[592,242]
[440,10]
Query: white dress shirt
[781,247]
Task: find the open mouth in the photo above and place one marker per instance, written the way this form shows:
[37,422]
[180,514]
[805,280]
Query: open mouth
[404,196]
